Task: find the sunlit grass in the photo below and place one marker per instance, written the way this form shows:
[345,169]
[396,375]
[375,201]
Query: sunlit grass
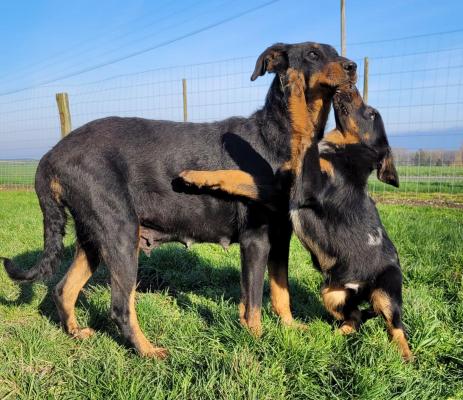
[194,314]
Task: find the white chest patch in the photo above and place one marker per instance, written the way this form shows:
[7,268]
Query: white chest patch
[375,238]
[324,147]
[352,286]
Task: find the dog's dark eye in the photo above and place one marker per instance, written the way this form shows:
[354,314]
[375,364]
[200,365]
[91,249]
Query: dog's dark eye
[313,55]
[372,114]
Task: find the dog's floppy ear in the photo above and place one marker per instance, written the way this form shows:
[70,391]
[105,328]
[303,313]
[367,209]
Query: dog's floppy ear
[387,172]
[273,59]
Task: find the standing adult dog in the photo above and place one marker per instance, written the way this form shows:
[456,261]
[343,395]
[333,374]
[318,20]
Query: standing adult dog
[118,179]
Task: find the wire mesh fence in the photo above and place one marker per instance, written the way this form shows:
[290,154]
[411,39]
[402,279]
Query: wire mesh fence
[415,82]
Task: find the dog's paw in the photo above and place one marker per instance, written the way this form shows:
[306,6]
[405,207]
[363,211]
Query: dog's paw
[293,324]
[255,330]
[195,178]
[346,329]
[82,333]
[155,352]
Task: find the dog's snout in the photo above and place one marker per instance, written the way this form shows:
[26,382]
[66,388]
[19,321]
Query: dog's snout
[350,66]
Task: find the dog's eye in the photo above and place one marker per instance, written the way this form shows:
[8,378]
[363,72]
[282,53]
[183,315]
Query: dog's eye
[372,114]
[313,55]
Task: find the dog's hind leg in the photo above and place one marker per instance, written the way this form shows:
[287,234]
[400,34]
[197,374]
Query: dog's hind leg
[66,292]
[343,306]
[120,253]
[352,317]
[386,299]
[243,302]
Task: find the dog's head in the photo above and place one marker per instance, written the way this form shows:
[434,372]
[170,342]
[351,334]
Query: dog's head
[361,124]
[321,65]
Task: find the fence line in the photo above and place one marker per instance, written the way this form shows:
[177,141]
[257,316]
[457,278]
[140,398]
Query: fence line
[416,85]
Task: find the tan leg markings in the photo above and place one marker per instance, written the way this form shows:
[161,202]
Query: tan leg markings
[253,321]
[334,299]
[382,305]
[242,313]
[67,291]
[398,336]
[234,182]
[351,325]
[141,343]
[279,294]
[56,189]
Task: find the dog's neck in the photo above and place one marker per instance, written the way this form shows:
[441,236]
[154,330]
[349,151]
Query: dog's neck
[318,105]
[358,159]
[275,114]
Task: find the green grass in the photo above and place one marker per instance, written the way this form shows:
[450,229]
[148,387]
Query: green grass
[435,187]
[211,355]
[426,170]
[19,173]
[447,180]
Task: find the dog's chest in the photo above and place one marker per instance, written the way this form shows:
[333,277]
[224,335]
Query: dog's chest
[311,242]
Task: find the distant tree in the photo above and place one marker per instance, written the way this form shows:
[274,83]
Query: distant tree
[422,157]
[449,157]
[401,155]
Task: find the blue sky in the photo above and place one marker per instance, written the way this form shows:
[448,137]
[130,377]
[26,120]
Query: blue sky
[33,31]
[43,40]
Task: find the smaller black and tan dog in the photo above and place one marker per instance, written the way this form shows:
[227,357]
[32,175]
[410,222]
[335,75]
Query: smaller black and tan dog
[331,212]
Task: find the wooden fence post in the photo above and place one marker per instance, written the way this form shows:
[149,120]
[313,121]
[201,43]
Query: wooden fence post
[365,80]
[62,100]
[185,104]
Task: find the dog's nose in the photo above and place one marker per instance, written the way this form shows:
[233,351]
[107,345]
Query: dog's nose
[350,66]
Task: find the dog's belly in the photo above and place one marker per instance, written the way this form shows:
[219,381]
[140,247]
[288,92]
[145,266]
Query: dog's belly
[179,217]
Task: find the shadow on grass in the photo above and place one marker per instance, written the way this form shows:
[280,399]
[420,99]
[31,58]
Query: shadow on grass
[172,269]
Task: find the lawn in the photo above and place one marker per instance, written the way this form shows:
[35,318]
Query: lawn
[414,180]
[425,170]
[187,302]
[20,173]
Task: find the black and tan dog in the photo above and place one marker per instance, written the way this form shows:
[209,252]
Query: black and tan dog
[331,212]
[118,178]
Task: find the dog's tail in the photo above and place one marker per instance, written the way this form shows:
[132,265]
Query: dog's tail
[49,191]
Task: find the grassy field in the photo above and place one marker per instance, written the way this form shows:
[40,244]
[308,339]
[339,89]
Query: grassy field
[414,180]
[424,170]
[188,302]
[411,186]
[17,172]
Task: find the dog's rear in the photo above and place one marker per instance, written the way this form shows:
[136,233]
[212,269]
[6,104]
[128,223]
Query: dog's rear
[49,192]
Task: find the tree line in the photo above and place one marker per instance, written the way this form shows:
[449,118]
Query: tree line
[423,157]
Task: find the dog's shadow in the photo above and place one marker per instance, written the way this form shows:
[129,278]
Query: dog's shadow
[171,269]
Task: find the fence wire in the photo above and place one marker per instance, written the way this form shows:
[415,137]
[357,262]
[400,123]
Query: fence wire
[416,83]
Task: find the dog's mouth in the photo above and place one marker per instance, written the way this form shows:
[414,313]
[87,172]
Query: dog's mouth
[342,101]
[343,104]
[334,85]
